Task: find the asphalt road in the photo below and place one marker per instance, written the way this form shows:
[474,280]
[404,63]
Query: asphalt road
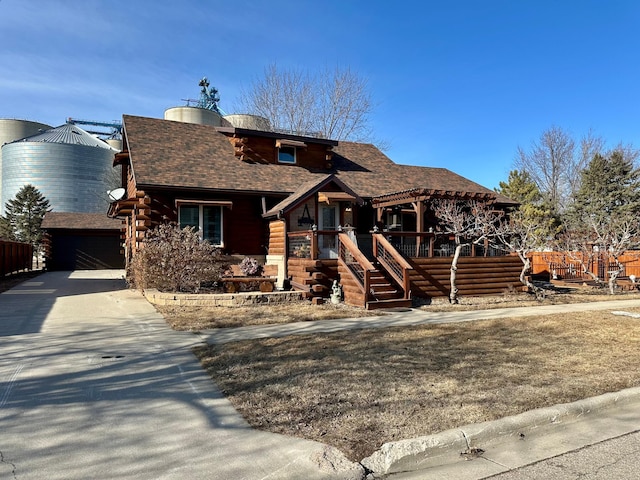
[616,459]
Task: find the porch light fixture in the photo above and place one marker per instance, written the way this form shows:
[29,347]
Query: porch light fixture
[314,227]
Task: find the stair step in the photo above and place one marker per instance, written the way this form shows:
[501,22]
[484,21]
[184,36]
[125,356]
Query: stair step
[383,287]
[385,297]
[394,303]
[388,294]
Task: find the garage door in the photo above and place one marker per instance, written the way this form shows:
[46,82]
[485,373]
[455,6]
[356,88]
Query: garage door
[85,252]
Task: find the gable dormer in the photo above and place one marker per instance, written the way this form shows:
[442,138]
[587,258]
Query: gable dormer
[255,146]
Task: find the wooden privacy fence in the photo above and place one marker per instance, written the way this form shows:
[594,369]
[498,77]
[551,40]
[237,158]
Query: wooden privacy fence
[15,256]
[568,266]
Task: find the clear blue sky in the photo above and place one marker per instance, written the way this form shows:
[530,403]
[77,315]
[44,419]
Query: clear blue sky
[458,84]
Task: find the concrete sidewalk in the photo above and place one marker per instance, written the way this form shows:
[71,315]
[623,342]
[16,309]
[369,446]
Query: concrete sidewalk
[93,384]
[409,317]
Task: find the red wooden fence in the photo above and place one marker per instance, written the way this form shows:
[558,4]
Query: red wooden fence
[545,263]
[14,257]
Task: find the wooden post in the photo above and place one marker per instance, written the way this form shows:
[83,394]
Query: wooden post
[379,214]
[419,209]
[314,244]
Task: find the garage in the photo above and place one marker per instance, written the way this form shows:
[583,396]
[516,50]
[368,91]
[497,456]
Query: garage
[82,241]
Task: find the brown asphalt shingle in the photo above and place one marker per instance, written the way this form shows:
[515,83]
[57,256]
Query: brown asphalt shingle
[82,221]
[168,153]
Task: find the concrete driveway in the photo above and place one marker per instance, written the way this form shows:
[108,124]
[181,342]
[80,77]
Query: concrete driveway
[94,385]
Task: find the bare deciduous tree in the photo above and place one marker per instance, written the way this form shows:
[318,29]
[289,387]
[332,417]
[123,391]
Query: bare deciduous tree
[470,223]
[522,234]
[576,247]
[590,145]
[548,163]
[335,103]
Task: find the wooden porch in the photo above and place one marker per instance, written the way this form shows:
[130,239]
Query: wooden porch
[397,267]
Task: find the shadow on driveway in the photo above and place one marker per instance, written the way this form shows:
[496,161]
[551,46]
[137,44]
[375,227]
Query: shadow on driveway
[24,308]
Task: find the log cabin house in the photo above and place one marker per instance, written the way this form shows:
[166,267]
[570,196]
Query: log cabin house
[316,208]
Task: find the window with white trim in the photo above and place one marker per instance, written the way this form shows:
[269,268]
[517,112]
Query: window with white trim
[286,154]
[206,219]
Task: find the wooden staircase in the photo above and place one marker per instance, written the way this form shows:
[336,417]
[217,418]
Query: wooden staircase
[368,286]
[383,293]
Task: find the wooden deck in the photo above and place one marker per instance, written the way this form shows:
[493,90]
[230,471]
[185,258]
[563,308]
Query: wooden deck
[429,278]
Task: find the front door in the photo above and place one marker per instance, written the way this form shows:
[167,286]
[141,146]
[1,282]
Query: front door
[329,218]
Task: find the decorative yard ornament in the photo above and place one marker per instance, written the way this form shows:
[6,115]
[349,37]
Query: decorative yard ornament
[336,293]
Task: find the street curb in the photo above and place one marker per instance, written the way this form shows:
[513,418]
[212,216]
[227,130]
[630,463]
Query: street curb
[452,445]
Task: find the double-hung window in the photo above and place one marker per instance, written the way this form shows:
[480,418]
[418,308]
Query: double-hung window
[206,219]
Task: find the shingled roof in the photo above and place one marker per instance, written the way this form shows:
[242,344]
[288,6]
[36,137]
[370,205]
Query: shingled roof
[175,154]
[305,190]
[79,221]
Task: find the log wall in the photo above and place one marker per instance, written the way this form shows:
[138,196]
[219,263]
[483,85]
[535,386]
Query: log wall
[263,150]
[312,277]
[475,276]
[277,238]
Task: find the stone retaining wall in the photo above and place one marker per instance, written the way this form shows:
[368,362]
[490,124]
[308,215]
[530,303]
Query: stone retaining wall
[220,299]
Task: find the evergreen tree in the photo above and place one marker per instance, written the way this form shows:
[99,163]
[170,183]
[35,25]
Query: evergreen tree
[5,230]
[24,214]
[533,209]
[605,210]
[610,188]
[521,188]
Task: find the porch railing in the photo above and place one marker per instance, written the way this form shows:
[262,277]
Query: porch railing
[393,263]
[429,244]
[354,260]
[313,244]
[302,244]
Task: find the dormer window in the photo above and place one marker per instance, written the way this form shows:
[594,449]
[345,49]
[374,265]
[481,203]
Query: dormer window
[287,150]
[286,154]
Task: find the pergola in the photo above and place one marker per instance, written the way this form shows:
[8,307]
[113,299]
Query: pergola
[416,200]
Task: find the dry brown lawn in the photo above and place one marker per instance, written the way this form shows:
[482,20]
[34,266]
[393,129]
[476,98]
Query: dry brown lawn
[357,390]
[206,318]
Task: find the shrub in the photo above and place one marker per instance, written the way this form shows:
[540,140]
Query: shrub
[175,260]
[250,266]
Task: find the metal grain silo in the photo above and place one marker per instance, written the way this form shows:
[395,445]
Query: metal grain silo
[11,130]
[198,115]
[251,122]
[69,166]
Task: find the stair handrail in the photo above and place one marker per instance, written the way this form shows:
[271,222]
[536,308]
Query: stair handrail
[359,266]
[393,262]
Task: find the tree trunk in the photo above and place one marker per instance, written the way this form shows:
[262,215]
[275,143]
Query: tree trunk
[593,276]
[453,295]
[613,279]
[526,266]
